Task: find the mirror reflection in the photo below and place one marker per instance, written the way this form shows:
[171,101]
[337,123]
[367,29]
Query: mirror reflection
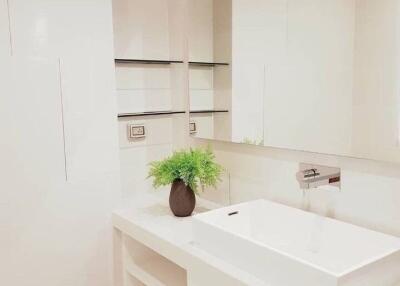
[319,76]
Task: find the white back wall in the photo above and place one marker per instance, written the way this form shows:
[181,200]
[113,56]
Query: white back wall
[59,147]
[5,39]
[201,31]
[369,196]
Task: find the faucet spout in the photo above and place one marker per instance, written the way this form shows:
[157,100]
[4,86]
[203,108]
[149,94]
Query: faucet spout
[314,176]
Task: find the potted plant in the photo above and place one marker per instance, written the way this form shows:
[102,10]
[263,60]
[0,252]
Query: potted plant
[189,172]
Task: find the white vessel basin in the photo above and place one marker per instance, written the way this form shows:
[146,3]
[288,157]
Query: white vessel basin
[284,246]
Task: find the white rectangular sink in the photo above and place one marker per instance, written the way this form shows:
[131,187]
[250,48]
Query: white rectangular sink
[284,246]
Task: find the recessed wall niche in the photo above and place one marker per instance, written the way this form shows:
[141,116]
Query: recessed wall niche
[151,83]
[210,74]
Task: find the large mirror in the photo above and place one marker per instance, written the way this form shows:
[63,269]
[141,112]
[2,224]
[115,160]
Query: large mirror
[313,75]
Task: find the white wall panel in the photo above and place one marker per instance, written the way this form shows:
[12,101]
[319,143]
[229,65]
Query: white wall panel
[158,131]
[31,166]
[201,99]
[90,116]
[179,85]
[204,125]
[177,14]
[201,88]
[154,31]
[201,77]
[61,30]
[141,100]
[135,165]
[248,111]
[32,144]
[143,88]
[5,36]
[141,33]
[142,76]
[57,232]
[303,43]
[201,30]
[61,27]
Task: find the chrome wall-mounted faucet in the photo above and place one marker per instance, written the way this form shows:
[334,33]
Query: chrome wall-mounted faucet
[313,176]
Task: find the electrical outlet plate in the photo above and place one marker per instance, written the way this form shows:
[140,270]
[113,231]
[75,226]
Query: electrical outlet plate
[193,127]
[136,131]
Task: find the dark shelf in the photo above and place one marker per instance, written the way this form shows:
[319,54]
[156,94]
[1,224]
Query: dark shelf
[208,64]
[209,111]
[149,62]
[149,113]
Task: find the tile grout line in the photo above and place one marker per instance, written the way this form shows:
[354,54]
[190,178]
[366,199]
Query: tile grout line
[9,28]
[229,188]
[63,121]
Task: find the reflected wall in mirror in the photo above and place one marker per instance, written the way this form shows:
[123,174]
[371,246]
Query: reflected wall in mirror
[210,73]
[311,75]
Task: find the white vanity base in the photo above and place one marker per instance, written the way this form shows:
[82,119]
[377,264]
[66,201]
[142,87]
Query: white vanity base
[154,248]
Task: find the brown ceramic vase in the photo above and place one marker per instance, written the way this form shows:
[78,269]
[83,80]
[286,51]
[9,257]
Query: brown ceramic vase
[182,199]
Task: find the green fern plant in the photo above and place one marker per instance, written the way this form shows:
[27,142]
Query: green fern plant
[195,167]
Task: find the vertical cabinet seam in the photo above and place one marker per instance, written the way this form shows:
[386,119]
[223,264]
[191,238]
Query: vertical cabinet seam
[63,121]
[10,28]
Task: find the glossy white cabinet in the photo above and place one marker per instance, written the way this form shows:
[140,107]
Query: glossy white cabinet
[31,122]
[56,201]
[63,30]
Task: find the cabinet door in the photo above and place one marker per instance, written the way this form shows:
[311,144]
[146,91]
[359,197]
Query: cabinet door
[5,38]
[31,125]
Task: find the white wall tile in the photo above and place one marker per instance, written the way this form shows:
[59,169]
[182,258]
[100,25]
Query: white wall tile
[141,100]
[5,37]
[201,88]
[221,194]
[132,76]
[204,125]
[135,165]
[370,200]
[369,196]
[201,77]
[177,30]
[201,99]
[179,86]
[201,30]
[141,33]
[158,131]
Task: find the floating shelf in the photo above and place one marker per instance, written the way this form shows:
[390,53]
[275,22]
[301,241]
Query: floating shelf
[208,64]
[149,267]
[149,113]
[209,111]
[159,271]
[149,62]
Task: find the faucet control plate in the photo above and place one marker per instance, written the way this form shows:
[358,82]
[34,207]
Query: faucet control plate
[313,176]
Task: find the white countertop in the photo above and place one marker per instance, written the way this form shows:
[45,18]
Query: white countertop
[151,222]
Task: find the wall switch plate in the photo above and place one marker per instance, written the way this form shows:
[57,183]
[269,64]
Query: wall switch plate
[136,131]
[192,127]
